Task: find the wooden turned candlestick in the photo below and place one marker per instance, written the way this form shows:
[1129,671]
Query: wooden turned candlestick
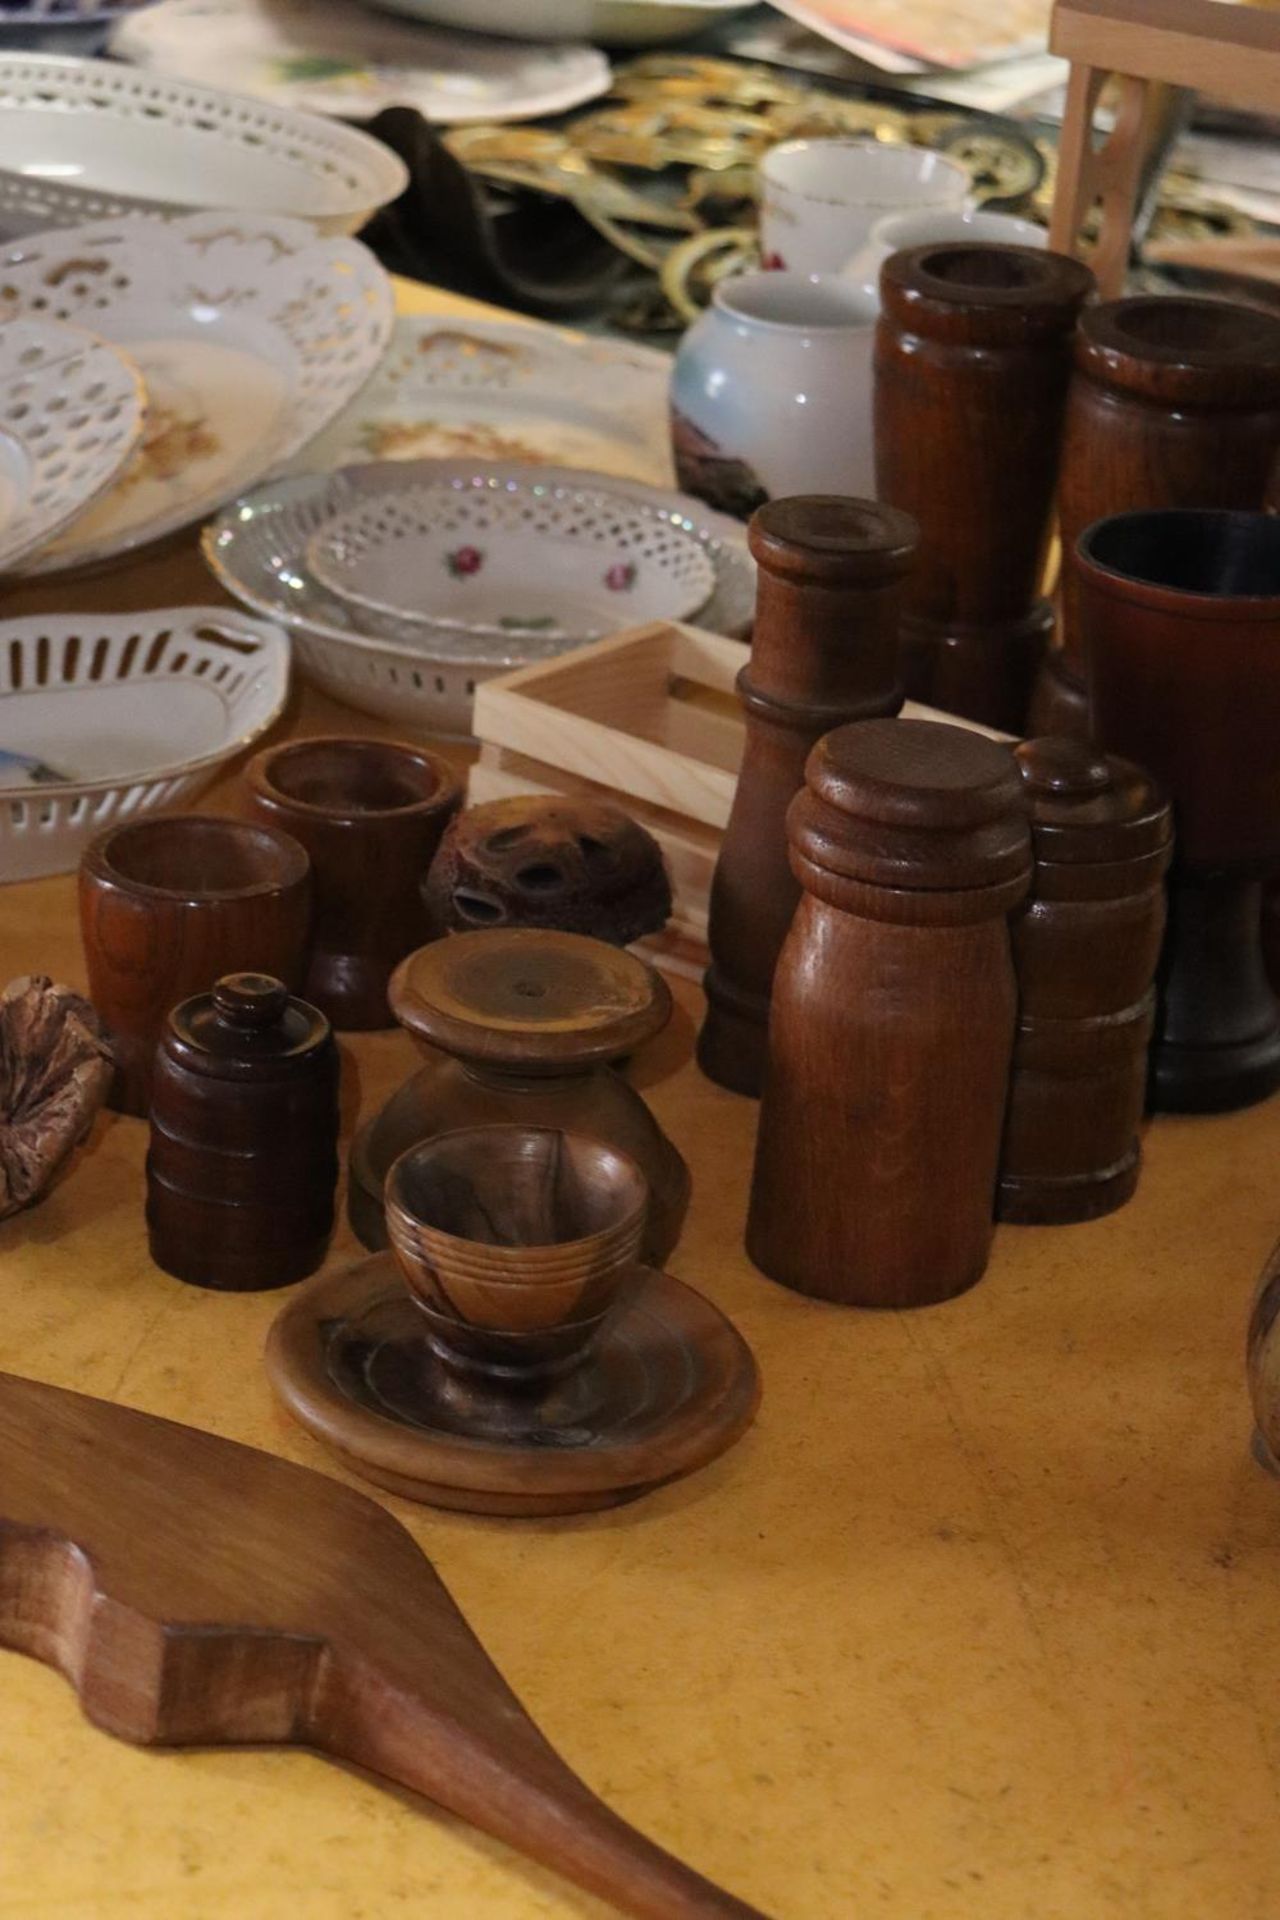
[824,652]
[522,1026]
[1173,403]
[1181,618]
[893,1017]
[1085,945]
[973,356]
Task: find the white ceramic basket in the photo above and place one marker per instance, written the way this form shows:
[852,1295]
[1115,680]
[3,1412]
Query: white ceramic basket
[138,710]
[91,140]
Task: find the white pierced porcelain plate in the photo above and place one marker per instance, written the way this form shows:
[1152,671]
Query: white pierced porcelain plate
[519,559]
[496,390]
[71,411]
[330,56]
[91,139]
[399,670]
[251,334]
[108,715]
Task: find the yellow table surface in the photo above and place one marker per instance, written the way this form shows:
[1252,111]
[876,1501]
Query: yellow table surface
[980,1622]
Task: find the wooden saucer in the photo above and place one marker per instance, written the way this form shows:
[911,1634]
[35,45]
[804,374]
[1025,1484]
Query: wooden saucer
[669,1385]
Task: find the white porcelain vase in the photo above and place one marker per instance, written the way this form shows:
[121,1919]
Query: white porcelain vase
[771,392]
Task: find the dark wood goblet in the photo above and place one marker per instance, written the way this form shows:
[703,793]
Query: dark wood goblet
[1181,618]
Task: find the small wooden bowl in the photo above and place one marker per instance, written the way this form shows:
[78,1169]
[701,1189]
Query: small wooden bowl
[515,1242]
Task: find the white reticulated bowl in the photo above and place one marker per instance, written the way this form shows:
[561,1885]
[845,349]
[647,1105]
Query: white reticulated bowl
[609,23]
[515,559]
[257,548]
[92,139]
[135,711]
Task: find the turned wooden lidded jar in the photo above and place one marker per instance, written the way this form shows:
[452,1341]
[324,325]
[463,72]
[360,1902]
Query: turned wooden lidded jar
[243,1158]
[893,1016]
[1174,402]
[527,1023]
[1085,946]
[824,652]
[973,357]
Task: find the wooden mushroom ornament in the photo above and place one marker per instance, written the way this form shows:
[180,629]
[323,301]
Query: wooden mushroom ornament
[55,1069]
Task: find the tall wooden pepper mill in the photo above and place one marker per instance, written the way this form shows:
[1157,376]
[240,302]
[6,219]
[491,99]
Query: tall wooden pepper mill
[824,651]
[1085,945]
[973,356]
[1173,403]
[893,1015]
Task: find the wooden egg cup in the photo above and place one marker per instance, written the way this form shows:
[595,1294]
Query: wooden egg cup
[371,814]
[521,1025]
[530,1367]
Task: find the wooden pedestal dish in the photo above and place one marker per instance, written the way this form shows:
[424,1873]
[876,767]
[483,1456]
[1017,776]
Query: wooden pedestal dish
[669,1385]
[522,1026]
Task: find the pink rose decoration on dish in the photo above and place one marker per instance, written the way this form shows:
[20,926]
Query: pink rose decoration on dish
[773,263]
[621,577]
[464,561]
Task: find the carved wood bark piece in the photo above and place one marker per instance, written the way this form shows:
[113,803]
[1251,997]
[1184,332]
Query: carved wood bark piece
[199,1592]
[55,1069]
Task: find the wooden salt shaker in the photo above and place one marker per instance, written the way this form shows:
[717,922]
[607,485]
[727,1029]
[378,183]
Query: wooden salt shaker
[825,651]
[973,356]
[1085,946]
[893,1016]
[1174,402]
[244,1137]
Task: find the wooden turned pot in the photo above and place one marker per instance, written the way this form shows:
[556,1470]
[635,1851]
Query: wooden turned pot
[515,1243]
[370,814]
[243,1157]
[1181,619]
[521,1026]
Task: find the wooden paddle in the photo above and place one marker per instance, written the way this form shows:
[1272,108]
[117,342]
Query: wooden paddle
[197,1592]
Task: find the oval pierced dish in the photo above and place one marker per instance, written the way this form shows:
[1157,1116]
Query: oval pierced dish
[91,139]
[542,564]
[79,748]
[71,412]
[256,548]
[250,333]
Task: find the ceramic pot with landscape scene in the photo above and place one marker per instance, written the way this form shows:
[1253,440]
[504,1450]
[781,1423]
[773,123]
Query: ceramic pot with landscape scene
[819,199]
[771,392]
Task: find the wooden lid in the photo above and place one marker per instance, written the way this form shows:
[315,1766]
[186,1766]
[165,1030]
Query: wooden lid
[833,540]
[248,1024]
[1166,347]
[913,804]
[1090,806]
[526,998]
[983,294]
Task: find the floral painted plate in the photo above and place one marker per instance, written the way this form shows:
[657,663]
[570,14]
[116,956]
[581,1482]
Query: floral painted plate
[497,390]
[250,334]
[330,56]
[494,558]
[71,412]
